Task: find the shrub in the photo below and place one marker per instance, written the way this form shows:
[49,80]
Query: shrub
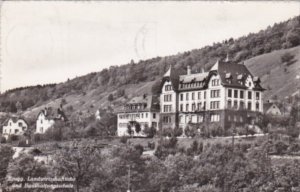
[151,145]
[178,131]
[123,139]
[139,148]
[149,131]
[2,140]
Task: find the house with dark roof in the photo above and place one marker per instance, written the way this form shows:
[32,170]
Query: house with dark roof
[14,126]
[227,94]
[47,118]
[138,113]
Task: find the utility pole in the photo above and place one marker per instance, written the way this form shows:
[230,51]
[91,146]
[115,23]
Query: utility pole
[128,184]
[233,133]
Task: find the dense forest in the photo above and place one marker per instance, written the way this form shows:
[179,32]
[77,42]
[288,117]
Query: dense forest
[279,36]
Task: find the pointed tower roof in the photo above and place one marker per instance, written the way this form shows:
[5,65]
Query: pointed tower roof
[227,58]
[215,66]
[168,73]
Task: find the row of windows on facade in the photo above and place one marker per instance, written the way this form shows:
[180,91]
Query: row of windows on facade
[215,82]
[193,119]
[234,105]
[10,131]
[137,115]
[236,94]
[213,105]
[137,106]
[143,124]
[213,118]
[213,94]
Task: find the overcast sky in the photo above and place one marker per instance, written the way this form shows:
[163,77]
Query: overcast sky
[46,42]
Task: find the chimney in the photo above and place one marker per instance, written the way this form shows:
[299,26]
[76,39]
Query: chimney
[188,70]
[202,70]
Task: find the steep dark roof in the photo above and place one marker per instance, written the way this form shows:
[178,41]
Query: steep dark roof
[172,75]
[147,103]
[234,75]
[50,114]
[193,81]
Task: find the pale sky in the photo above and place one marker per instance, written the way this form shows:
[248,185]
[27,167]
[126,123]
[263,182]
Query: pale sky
[51,41]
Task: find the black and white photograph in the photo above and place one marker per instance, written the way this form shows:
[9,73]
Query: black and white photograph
[149,96]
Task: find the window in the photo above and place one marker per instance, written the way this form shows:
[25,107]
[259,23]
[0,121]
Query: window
[215,82]
[168,87]
[257,95]
[200,118]
[199,106]
[249,106]
[204,94]
[242,105]
[167,108]
[187,107]
[20,124]
[229,104]
[215,93]
[181,107]
[168,97]
[193,96]
[214,104]
[235,93]
[193,107]
[154,115]
[142,115]
[41,129]
[16,130]
[187,96]
[235,104]
[249,95]
[234,118]
[242,94]
[229,92]
[214,117]
[199,95]
[257,106]
[181,97]
[204,105]
[166,119]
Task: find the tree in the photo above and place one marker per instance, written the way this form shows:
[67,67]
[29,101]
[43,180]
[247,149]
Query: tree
[149,131]
[129,130]
[6,153]
[25,166]
[137,127]
[80,161]
[110,97]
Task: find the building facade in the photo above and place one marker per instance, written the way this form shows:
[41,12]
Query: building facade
[46,119]
[226,95]
[14,126]
[138,113]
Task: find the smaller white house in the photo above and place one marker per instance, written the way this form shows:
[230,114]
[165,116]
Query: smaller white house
[46,119]
[14,126]
[43,122]
[139,112]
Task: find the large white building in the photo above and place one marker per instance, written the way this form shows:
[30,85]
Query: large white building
[227,94]
[14,126]
[139,112]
